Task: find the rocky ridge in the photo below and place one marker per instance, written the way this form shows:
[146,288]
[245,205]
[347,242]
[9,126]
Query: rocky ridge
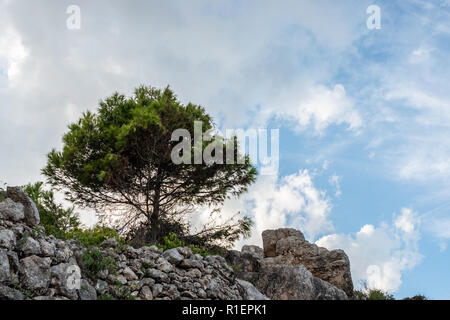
[39,267]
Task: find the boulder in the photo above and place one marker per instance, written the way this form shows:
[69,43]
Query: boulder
[87,292]
[30,210]
[4,266]
[255,251]
[61,274]
[173,256]
[10,210]
[284,282]
[35,273]
[7,293]
[31,247]
[331,266]
[271,237]
[146,293]
[251,293]
[7,239]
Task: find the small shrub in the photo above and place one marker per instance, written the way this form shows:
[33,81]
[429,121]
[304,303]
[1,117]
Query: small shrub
[373,294]
[94,236]
[416,297]
[172,241]
[55,219]
[94,261]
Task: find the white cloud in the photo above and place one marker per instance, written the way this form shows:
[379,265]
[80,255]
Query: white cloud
[379,255]
[323,107]
[292,201]
[13,51]
[335,181]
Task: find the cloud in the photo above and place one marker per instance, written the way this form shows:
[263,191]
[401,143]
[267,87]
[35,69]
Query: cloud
[335,181]
[323,107]
[379,255]
[292,201]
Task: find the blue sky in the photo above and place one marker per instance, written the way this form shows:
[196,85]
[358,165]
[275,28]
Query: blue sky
[364,115]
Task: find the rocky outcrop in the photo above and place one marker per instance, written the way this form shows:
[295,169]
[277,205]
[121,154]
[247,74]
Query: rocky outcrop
[290,268]
[38,267]
[288,247]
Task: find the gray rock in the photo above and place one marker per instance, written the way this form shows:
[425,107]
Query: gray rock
[157,289]
[164,265]
[102,287]
[251,293]
[4,266]
[331,266]
[185,251]
[149,282]
[146,293]
[284,282]
[31,212]
[173,256]
[7,239]
[31,247]
[35,273]
[10,210]
[191,263]
[87,292]
[47,248]
[61,280]
[158,275]
[271,237]
[7,293]
[129,274]
[255,251]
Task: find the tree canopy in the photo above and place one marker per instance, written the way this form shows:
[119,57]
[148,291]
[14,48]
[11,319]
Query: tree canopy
[118,161]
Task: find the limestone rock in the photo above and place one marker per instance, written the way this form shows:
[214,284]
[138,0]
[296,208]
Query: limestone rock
[31,212]
[255,251]
[35,272]
[173,256]
[251,293]
[10,210]
[31,247]
[146,293]
[87,292]
[331,266]
[271,237]
[4,266]
[7,293]
[7,239]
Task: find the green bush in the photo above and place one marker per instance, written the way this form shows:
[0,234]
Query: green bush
[172,241]
[56,219]
[94,236]
[416,297]
[94,261]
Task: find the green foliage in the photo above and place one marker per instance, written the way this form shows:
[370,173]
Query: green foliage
[119,158]
[372,294]
[56,220]
[94,261]
[172,241]
[105,296]
[94,236]
[416,297]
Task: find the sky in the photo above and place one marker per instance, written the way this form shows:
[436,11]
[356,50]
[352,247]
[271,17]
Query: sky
[363,113]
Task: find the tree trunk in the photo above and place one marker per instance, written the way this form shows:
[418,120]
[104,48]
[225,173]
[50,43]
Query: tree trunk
[154,219]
